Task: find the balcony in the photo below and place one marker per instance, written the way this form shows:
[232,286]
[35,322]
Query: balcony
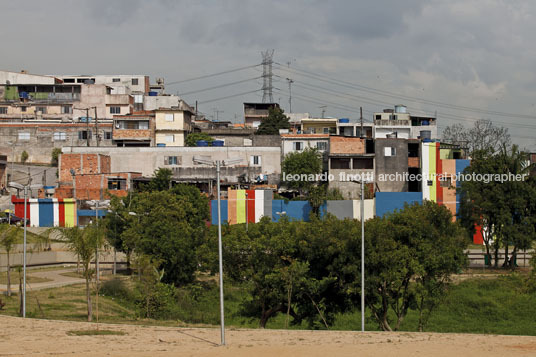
[387,122]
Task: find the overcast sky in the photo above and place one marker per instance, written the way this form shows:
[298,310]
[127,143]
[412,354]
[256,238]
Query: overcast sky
[476,54]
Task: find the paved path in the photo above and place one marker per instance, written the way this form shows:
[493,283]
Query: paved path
[55,277]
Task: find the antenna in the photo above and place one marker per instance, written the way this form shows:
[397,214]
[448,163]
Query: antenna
[267,60]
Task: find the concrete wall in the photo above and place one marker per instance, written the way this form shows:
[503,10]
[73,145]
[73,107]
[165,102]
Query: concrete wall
[386,165]
[24,78]
[147,159]
[387,202]
[160,101]
[307,140]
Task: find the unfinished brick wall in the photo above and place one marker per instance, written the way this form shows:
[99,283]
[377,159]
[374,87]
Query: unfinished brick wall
[83,164]
[346,145]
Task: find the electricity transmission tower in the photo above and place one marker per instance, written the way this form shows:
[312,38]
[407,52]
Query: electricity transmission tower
[267,61]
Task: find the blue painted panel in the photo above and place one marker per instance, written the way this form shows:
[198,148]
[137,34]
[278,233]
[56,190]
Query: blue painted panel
[460,166]
[46,212]
[294,210]
[91,213]
[214,211]
[387,202]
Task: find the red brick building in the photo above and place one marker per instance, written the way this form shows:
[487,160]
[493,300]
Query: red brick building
[89,177]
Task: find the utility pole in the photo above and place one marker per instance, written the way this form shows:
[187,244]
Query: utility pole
[267,61]
[323,107]
[361,118]
[87,124]
[216,112]
[290,81]
[96,127]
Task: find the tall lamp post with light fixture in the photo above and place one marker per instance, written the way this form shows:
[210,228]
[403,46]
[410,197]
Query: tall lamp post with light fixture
[25,188]
[218,164]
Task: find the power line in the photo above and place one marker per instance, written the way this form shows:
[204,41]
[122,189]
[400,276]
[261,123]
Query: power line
[229,96]
[219,86]
[213,74]
[375,91]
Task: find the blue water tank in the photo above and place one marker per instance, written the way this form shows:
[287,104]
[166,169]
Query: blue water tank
[217,143]
[153,94]
[202,143]
[425,122]
[161,145]
[23,95]
[344,120]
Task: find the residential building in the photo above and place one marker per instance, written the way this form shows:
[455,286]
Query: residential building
[145,160]
[38,140]
[88,176]
[398,123]
[299,142]
[319,126]
[347,127]
[255,112]
[119,83]
[136,129]
[349,160]
[396,160]
[171,126]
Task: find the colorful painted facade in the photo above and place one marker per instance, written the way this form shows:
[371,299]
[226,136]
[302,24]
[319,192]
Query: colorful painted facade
[47,212]
[440,168]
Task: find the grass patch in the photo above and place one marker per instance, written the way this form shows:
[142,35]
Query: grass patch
[498,305]
[94,332]
[15,279]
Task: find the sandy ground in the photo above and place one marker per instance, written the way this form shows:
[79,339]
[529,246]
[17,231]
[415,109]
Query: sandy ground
[33,337]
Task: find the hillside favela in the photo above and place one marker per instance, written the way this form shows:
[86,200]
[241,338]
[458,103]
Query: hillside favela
[291,178]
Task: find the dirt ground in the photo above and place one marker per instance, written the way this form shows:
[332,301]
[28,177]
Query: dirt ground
[33,337]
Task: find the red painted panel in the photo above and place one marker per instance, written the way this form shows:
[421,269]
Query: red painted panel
[439,171]
[477,237]
[61,211]
[251,205]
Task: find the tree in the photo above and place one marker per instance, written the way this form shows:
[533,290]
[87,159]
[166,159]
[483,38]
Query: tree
[24,156]
[275,120]
[8,238]
[307,164]
[317,195]
[191,139]
[168,227]
[503,210]
[410,256]
[56,152]
[482,136]
[84,242]
[161,180]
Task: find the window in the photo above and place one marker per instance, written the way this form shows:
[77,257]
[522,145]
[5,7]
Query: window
[413,150]
[255,160]
[134,81]
[117,184]
[60,136]
[378,117]
[172,160]
[340,164]
[363,163]
[430,182]
[66,109]
[116,80]
[297,145]
[107,135]
[3,110]
[84,135]
[445,182]
[326,130]
[170,138]
[169,117]
[115,110]
[321,145]
[389,151]
[43,110]
[23,109]
[24,136]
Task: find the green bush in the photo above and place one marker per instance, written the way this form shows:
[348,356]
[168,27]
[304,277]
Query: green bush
[116,288]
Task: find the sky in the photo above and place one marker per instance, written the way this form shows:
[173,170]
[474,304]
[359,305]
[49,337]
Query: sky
[460,59]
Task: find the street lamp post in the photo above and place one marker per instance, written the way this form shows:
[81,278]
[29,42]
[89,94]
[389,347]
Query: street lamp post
[362,255]
[218,164]
[25,188]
